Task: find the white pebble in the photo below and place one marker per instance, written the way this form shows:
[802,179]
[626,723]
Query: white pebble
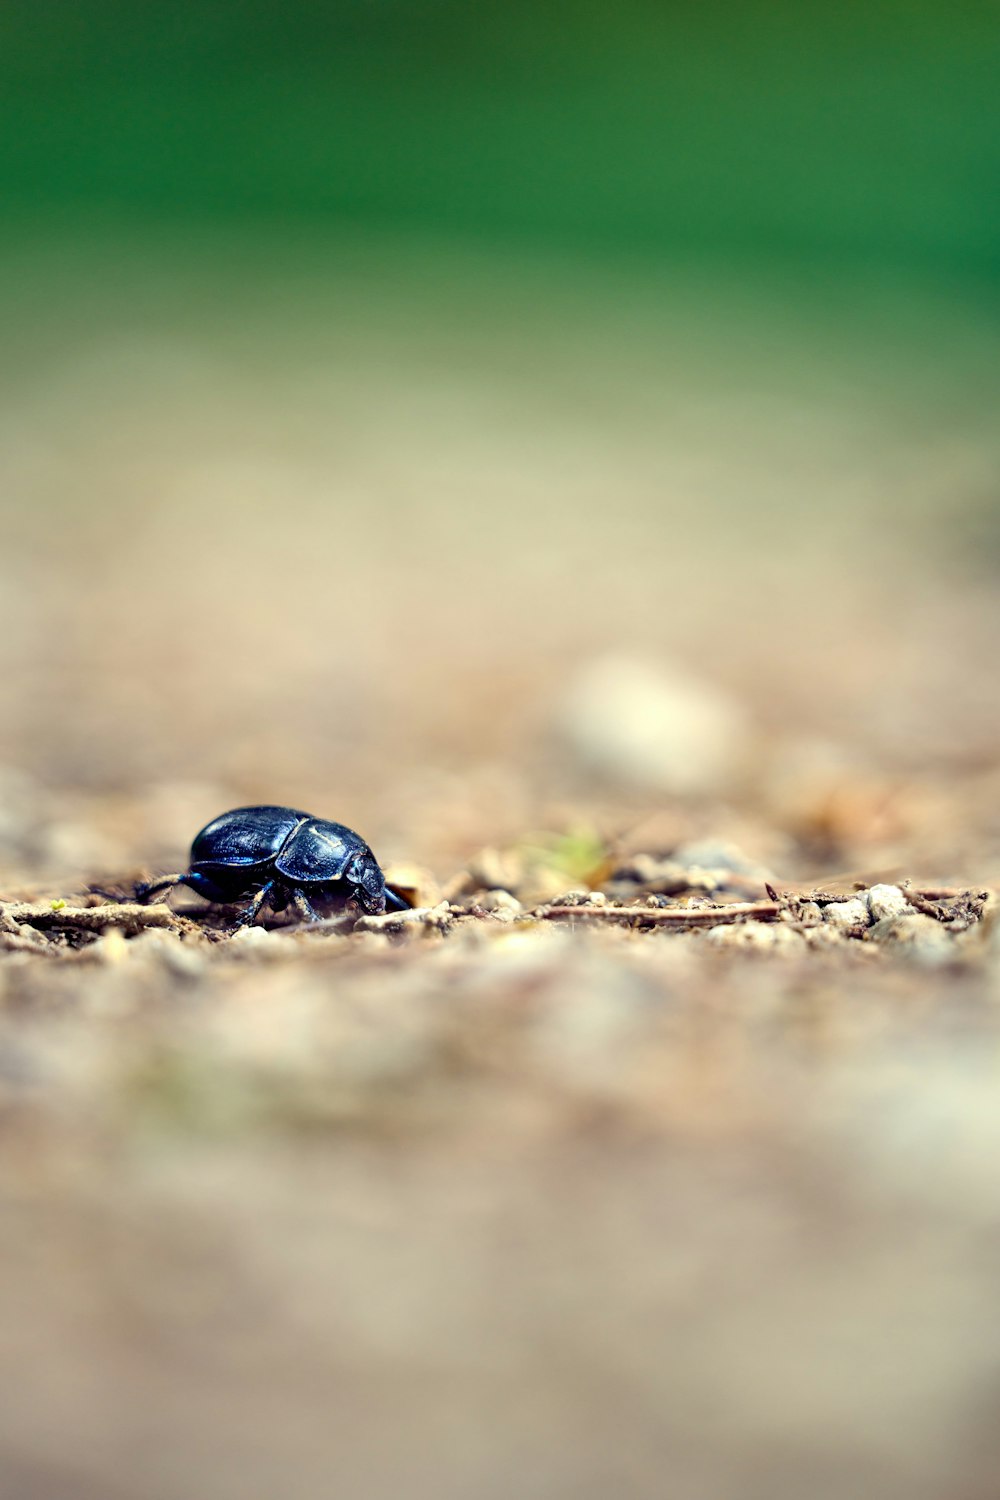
[886,901]
[650,725]
[851,914]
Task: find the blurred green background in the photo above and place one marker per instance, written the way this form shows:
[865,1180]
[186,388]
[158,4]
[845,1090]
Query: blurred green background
[594,325]
[795,133]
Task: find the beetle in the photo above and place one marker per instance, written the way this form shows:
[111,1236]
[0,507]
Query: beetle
[282,857]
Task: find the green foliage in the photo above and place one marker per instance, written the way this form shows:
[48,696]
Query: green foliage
[771,130]
[580,854]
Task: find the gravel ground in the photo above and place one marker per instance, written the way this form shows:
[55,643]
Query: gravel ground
[677,1176]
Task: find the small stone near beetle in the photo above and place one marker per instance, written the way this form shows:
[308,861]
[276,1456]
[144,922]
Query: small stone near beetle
[886,901]
[499,900]
[809,914]
[849,916]
[759,937]
[920,937]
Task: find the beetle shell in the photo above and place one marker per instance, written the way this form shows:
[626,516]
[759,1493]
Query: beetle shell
[241,850]
[284,857]
[245,836]
[318,850]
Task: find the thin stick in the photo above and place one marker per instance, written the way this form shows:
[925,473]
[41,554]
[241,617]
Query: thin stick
[946,893]
[92,918]
[702,916]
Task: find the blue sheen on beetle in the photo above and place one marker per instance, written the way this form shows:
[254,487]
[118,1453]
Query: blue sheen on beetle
[283,858]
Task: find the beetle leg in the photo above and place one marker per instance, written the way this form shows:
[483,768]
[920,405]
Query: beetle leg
[394,901]
[251,911]
[303,907]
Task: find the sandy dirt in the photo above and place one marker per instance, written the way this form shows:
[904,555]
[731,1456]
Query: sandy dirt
[656,1152]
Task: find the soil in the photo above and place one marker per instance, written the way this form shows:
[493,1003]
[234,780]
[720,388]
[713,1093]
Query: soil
[655,1151]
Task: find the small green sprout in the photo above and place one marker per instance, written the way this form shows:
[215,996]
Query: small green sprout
[580,853]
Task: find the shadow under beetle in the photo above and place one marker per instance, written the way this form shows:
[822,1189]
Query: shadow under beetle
[283,858]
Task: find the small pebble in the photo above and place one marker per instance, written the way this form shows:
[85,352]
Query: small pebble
[400,921]
[761,937]
[499,900]
[850,915]
[809,914]
[920,937]
[250,936]
[886,901]
[572,898]
[650,725]
[257,942]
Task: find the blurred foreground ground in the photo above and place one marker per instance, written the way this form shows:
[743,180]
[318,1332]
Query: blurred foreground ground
[569,569]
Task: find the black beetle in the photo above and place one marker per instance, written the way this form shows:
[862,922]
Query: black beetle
[282,857]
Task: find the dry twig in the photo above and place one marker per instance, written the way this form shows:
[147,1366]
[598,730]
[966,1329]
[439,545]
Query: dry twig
[700,916]
[128,915]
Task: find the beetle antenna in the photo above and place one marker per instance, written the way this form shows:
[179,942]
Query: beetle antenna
[146,890]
